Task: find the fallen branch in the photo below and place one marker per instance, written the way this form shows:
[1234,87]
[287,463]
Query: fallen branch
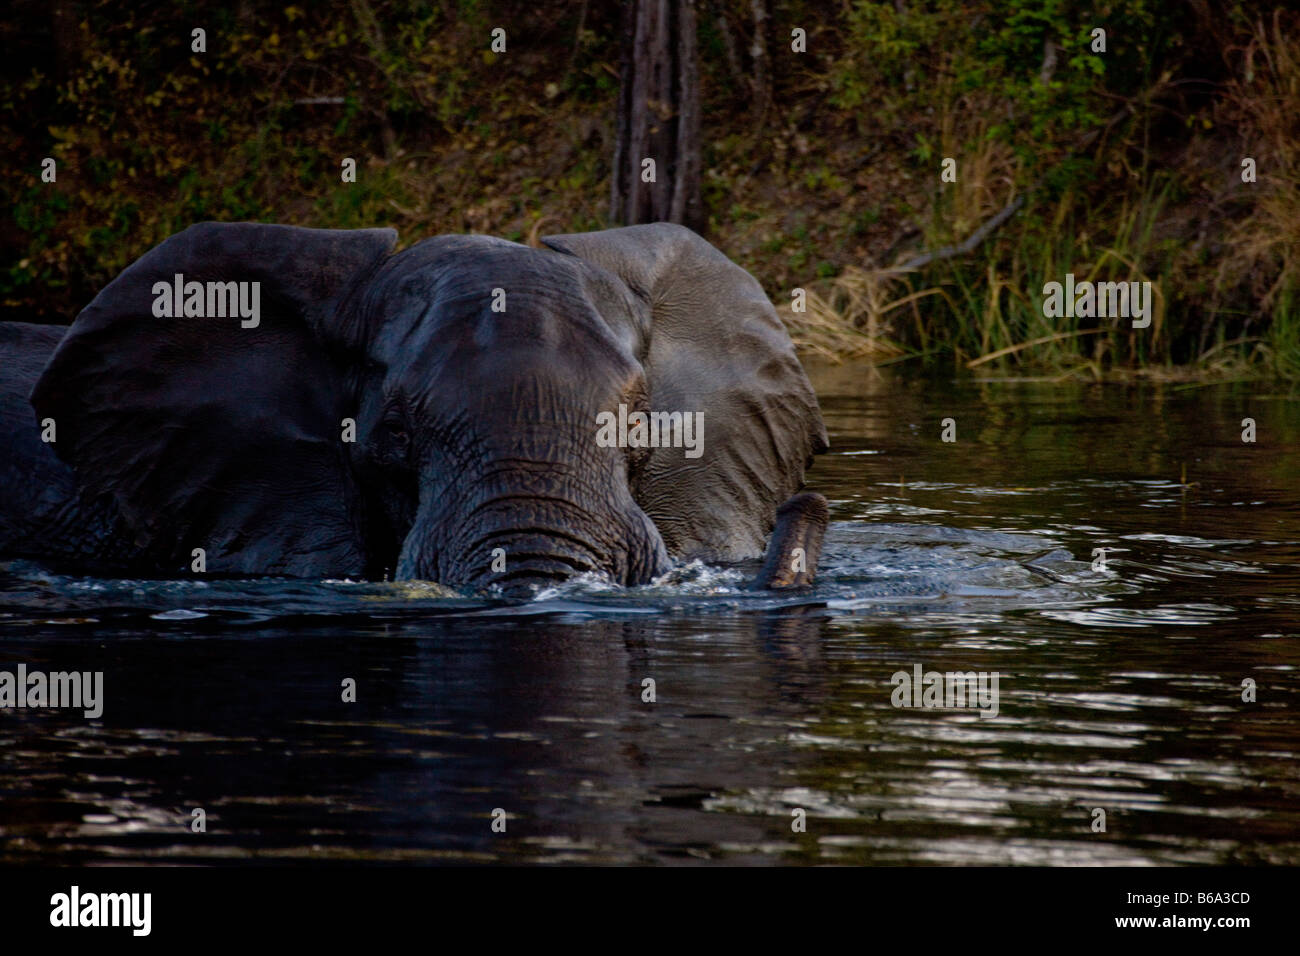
[971,241]
[1011,208]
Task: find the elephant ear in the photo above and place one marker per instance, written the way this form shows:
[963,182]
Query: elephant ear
[208,434]
[715,346]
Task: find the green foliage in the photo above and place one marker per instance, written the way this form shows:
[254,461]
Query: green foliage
[841,172]
[150,136]
[899,56]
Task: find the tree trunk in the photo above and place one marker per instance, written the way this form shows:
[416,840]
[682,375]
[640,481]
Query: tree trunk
[658,117]
[762,68]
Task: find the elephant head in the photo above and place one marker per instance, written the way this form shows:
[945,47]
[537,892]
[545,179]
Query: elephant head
[430,414]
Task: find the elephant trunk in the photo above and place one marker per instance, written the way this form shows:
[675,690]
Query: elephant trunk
[523,542]
[522,562]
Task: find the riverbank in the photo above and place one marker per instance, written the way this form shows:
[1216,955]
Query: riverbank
[1166,151]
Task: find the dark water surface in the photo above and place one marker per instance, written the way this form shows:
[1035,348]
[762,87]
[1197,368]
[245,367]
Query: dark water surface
[1119,689]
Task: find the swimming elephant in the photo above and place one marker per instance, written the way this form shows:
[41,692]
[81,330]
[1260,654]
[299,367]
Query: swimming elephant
[253,399]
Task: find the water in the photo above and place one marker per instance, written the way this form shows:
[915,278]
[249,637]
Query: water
[1118,689]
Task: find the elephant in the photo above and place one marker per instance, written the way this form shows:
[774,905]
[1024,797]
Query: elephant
[443,413]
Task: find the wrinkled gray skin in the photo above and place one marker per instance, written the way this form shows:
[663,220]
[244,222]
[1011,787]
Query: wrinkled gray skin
[475,430]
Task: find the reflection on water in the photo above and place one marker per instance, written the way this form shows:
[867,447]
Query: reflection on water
[1120,687]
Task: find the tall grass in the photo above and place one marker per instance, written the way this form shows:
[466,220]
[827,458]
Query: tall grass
[987,310]
[1222,255]
[1264,262]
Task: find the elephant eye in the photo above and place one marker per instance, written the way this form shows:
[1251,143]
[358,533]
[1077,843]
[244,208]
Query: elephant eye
[395,439]
[397,433]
